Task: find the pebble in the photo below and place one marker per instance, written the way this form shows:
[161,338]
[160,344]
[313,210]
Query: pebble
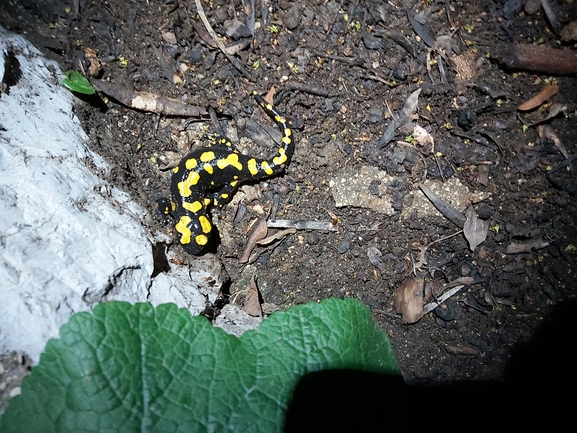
[371,42]
[344,246]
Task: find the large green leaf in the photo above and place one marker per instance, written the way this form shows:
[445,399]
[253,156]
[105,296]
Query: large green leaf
[136,368]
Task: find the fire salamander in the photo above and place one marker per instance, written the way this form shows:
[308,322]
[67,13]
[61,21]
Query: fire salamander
[210,176]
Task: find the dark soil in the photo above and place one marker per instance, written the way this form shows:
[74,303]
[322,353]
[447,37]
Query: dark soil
[339,75]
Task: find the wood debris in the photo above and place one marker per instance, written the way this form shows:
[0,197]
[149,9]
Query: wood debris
[150,102]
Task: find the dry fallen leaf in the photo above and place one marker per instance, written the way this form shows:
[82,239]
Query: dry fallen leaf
[526,246]
[409,300]
[554,110]
[252,302]
[435,288]
[376,258]
[169,37]
[540,98]
[258,231]
[474,229]
[547,131]
[277,236]
[95,67]
[422,137]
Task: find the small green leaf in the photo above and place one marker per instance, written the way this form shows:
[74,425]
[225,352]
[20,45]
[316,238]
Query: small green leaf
[135,368]
[78,83]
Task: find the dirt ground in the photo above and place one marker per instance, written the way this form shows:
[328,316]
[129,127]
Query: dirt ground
[340,70]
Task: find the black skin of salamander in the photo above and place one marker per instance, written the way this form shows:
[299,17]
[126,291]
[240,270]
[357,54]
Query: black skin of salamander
[216,188]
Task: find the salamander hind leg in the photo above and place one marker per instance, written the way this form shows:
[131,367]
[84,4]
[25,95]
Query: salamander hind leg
[166,207]
[220,142]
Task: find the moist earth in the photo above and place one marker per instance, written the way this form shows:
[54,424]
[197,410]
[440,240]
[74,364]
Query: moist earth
[342,73]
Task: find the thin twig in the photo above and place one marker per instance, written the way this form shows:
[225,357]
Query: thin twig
[445,238]
[432,305]
[236,63]
[302,225]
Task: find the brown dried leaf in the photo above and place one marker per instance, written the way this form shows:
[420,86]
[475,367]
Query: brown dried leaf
[252,302]
[270,95]
[467,281]
[554,110]
[438,284]
[540,98]
[421,259]
[169,37]
[277,236]
[474,229]
[259,231]
[375,257]
[409,300]
[526,246]
[95,67]
[547,131]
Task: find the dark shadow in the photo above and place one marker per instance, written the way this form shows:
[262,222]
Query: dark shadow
[536,395]
[95,100]
[160,260]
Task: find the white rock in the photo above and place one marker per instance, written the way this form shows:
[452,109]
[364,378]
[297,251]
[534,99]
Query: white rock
[68,240]
[63,245]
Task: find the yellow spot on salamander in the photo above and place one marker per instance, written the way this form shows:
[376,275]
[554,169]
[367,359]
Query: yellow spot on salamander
[281,158]
[279,119]
[175,169]
[207,156]
[224,196]
[231,159]
[182,228]
[184,186]
[206,201]
[286,140]
[251,164]
[205,224]
[208,168]
[192,207]
[266,168]
[201,240]
[234,183]
[190,163]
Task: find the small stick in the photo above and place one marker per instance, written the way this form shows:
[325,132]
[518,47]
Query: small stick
[150,102]
[307,88]
[432,305]
[301,225]
[236,63]
[538,59]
